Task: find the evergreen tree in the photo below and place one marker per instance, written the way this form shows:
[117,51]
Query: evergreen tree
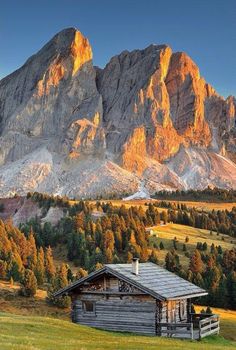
[60,281]
[231,282]
[172,261]
[196,264]
[32,255]
[3,269]
[49,265]
[40,269]
[154,257]
[29,284]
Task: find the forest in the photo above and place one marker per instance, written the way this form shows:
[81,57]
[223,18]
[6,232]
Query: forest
[118,235]
[208,194]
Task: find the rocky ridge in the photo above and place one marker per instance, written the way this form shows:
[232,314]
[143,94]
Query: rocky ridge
[148,117]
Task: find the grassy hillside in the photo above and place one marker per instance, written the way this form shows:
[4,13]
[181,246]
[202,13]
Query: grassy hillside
[30,324]
[167,233]
[205,206]
[12,302]
[43,333]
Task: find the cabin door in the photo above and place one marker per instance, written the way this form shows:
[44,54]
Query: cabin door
[172,311]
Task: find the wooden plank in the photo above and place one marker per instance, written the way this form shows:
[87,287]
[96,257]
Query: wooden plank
[119,315]
[166,324]
[210,332]
[211,325]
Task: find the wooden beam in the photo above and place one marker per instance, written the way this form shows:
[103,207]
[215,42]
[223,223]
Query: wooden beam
[111,293]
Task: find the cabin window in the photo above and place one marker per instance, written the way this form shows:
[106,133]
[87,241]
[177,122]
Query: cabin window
[89,307]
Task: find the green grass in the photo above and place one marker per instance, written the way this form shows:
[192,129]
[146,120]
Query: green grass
[43,333]
[167,233]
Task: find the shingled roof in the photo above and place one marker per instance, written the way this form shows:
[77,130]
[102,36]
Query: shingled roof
[151,279]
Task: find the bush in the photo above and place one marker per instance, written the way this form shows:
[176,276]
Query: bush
[208,310]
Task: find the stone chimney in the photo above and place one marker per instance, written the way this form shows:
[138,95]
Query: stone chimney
[135,266]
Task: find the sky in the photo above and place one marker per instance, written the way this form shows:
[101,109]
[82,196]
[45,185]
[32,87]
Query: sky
[204,29]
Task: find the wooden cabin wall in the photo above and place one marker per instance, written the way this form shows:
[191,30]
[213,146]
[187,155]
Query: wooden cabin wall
[129,314]
[120,307]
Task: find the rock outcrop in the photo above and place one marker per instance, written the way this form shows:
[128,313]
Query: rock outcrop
[148,118]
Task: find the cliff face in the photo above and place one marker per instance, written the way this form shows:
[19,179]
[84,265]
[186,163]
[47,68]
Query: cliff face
[147,117]
[45,97]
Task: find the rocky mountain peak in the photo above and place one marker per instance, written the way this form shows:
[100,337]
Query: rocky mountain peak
[148,118]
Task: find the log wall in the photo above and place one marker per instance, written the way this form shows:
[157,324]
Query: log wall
[119,306]
[129,314]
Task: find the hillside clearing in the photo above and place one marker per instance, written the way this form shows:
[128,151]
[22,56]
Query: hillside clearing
[167,233]
[201,206]
[43,333]
[12,302]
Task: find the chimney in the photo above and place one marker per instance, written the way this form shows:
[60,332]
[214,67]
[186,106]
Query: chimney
[135,266]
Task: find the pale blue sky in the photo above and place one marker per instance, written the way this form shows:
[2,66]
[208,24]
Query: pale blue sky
[206,30]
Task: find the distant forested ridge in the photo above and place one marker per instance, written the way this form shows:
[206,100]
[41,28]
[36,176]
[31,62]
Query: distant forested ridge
[221,221]
[208,195]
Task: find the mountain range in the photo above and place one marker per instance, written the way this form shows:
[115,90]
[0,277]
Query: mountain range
[148,121]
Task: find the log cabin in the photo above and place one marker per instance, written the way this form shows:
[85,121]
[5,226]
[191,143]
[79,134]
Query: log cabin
[140,298]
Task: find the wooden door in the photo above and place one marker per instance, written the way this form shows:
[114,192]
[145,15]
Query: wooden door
[172,311]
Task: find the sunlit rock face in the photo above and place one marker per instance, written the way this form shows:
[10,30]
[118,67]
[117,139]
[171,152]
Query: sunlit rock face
[137,106]
[147,118]
[42,98]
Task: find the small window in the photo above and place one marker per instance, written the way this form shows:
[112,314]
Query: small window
[89,307]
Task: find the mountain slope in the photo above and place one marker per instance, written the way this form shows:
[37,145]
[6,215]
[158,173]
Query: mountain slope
[147,118]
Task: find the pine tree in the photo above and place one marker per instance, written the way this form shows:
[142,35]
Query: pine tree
[49,265]
[3,269]
[60,281]
[81,273]
[29,284]
[108,241]
[32,255]
[175,243]
[172,261]
[164,217]
[196,264]
[154,257]
[109,256]
[208,310]
[231,283]
[15,268]
[98,266]
[40,269]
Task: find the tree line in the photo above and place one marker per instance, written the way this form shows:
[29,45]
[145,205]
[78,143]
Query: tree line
[208,194]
